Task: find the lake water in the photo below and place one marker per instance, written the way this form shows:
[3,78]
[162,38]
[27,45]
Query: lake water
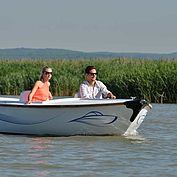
[152,153]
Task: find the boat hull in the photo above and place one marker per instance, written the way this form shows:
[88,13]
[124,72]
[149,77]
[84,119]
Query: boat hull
[67,118]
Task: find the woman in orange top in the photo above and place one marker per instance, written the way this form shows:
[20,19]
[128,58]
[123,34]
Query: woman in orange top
[40,91]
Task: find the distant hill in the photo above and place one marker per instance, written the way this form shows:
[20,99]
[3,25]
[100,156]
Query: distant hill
[49,53]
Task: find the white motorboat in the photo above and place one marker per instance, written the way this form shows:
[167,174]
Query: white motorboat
[72,116]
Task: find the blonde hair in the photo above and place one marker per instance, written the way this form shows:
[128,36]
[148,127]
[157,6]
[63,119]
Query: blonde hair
[43,71]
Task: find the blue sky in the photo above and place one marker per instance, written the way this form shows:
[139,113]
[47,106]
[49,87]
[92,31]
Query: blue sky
[90,25]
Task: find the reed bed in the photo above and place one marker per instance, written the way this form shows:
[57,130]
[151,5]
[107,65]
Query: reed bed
[153,80]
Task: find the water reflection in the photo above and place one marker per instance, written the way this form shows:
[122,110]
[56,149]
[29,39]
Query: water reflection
[39,153]
[39,144]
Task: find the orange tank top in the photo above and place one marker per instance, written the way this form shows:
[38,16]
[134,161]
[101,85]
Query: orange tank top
[42,93]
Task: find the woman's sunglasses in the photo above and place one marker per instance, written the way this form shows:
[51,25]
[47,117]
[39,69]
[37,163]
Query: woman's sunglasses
[48,73]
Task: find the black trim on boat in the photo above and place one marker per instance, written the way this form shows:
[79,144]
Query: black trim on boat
[136,105]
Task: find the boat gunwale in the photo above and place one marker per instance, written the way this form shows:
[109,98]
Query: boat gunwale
[67,103]
[58,105]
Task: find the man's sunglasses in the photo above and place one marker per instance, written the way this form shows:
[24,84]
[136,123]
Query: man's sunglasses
[92,74]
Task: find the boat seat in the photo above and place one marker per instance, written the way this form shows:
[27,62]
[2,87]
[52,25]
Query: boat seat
[24,96]
[77,95]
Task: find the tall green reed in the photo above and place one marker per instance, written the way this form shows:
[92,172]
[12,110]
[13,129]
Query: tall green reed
[154,80]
